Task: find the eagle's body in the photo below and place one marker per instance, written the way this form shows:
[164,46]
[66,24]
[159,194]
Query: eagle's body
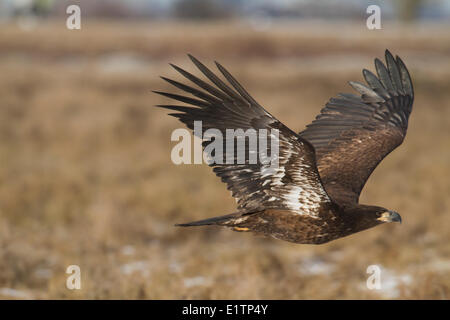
[288,225]
[312,196]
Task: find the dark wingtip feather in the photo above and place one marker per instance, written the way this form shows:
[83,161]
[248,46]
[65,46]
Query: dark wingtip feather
[194,59]
[236,85]
[212,77]
[366,91]
[176,108]
[375,83]
[394,72]
[195,102]
[177,68]
[167,79]
[405,76]
[162,93]
[383,75]
[387,53]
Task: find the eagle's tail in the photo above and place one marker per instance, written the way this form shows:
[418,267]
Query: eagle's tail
[220,220]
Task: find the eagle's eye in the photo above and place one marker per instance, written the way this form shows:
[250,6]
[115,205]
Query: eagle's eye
[389,216]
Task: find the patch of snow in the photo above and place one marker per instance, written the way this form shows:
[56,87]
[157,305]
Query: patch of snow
[137,266]
[315,266]
[175,267]
[390,283]
[122,63]
[14,293]
[128,250]
[196,281]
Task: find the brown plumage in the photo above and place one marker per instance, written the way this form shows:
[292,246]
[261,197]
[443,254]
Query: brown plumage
[312,196]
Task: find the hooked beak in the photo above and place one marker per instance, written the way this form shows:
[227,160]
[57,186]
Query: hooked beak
[390,216]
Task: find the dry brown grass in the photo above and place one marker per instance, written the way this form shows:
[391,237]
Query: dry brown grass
[86,176]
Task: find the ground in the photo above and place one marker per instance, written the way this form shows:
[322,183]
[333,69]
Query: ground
[86,177]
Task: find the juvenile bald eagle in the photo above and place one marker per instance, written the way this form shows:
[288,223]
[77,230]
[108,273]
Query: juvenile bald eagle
[312,196]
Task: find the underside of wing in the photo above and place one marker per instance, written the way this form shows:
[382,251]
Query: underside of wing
[353,133]
[291,182]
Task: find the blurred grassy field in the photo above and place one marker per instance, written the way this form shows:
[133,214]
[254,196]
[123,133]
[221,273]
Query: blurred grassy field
[86,176]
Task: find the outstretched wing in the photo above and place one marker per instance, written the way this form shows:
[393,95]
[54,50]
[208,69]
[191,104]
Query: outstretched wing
[353,133]
[293,184]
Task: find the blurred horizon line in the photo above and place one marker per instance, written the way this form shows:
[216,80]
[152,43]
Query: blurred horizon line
[330,10]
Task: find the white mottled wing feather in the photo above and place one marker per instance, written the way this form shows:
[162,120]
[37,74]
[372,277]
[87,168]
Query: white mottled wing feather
[293,185]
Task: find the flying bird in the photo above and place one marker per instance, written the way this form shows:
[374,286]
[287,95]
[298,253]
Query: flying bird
[312,196]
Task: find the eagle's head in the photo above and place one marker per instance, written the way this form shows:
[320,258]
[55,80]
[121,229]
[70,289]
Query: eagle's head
[389,216]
